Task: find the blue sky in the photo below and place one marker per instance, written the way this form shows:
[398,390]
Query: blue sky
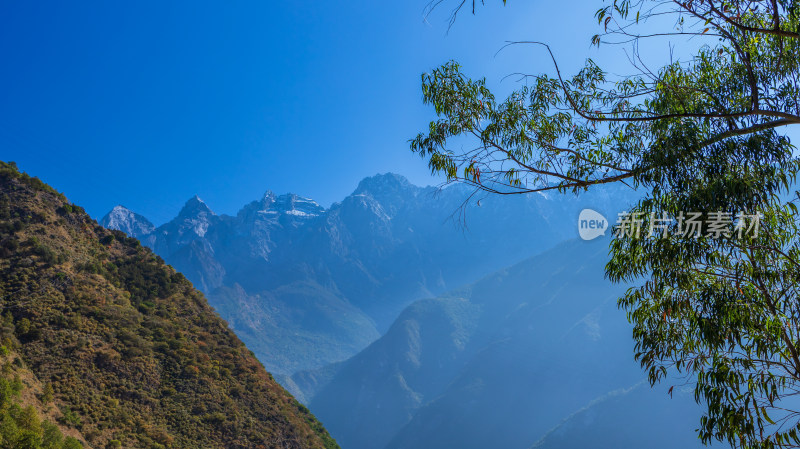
[148,103]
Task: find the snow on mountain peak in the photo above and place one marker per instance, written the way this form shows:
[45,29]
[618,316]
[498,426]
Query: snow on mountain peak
[298,206]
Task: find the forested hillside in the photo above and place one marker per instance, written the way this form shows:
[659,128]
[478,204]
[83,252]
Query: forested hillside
[28,417]
[125,351]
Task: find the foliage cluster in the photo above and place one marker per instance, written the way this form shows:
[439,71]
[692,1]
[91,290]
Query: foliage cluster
[21,427]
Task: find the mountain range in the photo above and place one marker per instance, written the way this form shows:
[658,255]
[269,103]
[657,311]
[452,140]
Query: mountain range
[305,286]
[403,324]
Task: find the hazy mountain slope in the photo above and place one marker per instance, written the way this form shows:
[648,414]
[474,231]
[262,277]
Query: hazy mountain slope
[496,364]
[300,317]
[633,417]
[552,340]
[380,389]
[132,351]
[293,264]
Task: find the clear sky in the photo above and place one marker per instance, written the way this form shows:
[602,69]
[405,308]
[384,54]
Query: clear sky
[147,103]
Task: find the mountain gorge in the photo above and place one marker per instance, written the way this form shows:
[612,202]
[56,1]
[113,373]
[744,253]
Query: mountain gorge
[305,286]
[115,348]
[533,354]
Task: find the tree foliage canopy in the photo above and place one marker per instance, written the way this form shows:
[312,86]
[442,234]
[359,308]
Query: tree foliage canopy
[702,134]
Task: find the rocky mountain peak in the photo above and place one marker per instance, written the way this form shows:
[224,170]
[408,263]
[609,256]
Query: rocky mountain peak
[123,219]
[381,184]
[268,197]
[195,207]
[299,206]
